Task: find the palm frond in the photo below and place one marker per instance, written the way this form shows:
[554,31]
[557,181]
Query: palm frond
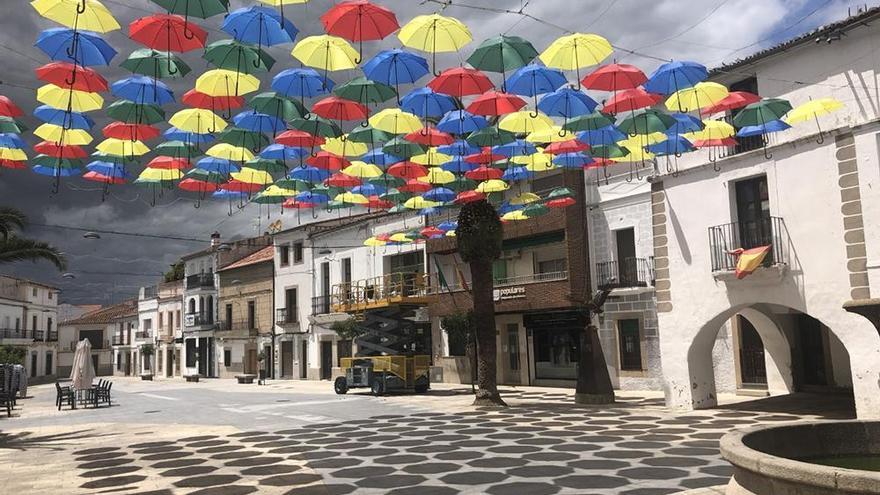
[11,219]
[14,248]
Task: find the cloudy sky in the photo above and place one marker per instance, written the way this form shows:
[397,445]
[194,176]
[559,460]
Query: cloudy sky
[111,268]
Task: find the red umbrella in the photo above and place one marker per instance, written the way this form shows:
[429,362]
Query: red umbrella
[630,100]
[377,203]
[461,81]
[8,108]
[13,164]
[736,99]
[430,136]
[560,203]
[614,77]
[469,197]
[599,162]
[166,32]
[293,204]
[65,75]
[484,157]
[336,108]
[708,143]
[341,180]
[570,146]
[131,132]
[484,173]
[168,162]
[199,186]
[239,186]
[298,139]
[415,186]
[328,161]
[60,151]
[98,177]
[431,231]
[197,99]
[359,20]
[494,103]
[407,170]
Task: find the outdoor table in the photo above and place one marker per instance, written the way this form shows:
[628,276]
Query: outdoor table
[85,396]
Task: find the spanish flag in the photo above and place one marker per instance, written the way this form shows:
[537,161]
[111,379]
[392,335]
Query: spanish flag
[748,260]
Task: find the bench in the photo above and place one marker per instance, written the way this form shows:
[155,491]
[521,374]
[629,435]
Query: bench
[245,379]
[192,378]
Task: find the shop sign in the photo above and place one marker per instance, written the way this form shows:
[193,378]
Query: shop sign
[508,293]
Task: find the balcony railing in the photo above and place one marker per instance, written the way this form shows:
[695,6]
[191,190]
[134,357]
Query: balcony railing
[321,305]
[19,333]
[53,336]
[285,317]
[743,144]
[238,326]
[38,334]
[726,238]
[201,280]
[151,292]
[532,278]
[198,319]
[394,288]
[625,273]
[120,340]
[143,334]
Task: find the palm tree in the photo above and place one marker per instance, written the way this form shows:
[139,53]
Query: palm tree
[479,238]
[14,248]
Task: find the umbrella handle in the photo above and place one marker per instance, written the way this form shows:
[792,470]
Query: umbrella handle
[187,32]
[72,80]
[172,68]
[365,124]
[81,7]
[821,138]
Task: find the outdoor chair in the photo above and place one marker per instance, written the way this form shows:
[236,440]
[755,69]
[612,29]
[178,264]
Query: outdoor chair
[5,400]
[102,392]
[63,394]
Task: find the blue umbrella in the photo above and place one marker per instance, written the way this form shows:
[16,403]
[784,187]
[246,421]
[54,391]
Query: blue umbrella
[534,79]
[56,172]
[260,26]
[506,207]
[379,157]
[434,210]
[10,140]
[673,145]
[224,194]
[258,122]
[567,103]
[309,174]
[217,165]
[311,197]
[439,194]
[425,103]
[448,226]
[462,122]
[109,169]
[368,190]
[684,123]
[142,90]
[395,67]
[81,47]
[514,174]
[301,82]
[520,147]
[573,160]
[71,120]
[282,152]
[672,77]
[761,129]
[602,136]
[458,165]
[175,134]
[458,148]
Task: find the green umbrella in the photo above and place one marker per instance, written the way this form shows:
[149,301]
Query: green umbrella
[232,55]
[388,181]
[761,112]
[646,122]
[12,126]
[268,166]
[205,176]
[338,205]
[535,210]
[402,148]
[609,151]
[399,209]
[296,185]
[588,122]
[369,135]
[393,194]
[316,126]
[560,192]
[276,105]
[52,162]
[130,112]
[202,9]
[461,184]
[363,90]
[177,149]
[114,159]
[156,64]
[242,138]
[490,136]
[327,190]
[502,53]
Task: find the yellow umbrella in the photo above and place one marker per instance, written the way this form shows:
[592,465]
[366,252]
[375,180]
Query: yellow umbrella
[399,237]
[642,140]
[274,190]
[435,33]
[537,162]
[525,122]
[373,242]
[812,110]
[226,151]
[351,198]
[418,203]
[431,157]
[326,52]
[13,154]
[222,82]
[62,98]
[160,174]
[395,121]
[636,154]
[89,15]
[58,134]
[701,95]
[362,170]
[713,129]
[437,175]
[576,51]
[514,216]
[492,185]
[122,147]
[252,176]
[525,198]
[554,134]
[197,120]
[344,147]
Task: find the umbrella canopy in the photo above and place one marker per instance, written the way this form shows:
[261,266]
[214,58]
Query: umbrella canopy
[366,91]
[9,109]
[260,26]
[202,9]
[335,108]
[675,76]
[90,15]
[733,101]
[812,110]
[495,103]
[359,20]
[330,53]
[425,103]
[142,89]
[761,129]
[435,33]
[67,99]
[502,53]
[614,77]
[198,99]
[395,67]
[575,51]
[301,82]
[461,122]
[697,96]
[70,120]
[198,121]
[461,81]
[82,373]
[236,56]
[156,64]
[761,112]
[166,32]
[222,82]
[566,103]
[79,47]
[630,100]
[72,76]
[395,121]
[534,79]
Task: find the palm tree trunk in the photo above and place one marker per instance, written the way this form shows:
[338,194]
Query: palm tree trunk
[484,326]
[593,383]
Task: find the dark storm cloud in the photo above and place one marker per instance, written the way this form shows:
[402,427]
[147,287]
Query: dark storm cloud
[112,267]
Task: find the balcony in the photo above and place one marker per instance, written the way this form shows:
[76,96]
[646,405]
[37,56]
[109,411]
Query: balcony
[38,335]
[200,281]
[20,333]
[321,305]
[198,320]
[238,326]
[383,291]
[532,278]
[726,238]
[151,292]
[120,340]
[143,335]
[53,336]
[284,317]
[626,273]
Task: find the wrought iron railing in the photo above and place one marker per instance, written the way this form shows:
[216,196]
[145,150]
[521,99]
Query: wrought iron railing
[625,273]
[382,290]
[321,305]
[725,239]
[146,334]
[198,319]
[38,335]
[743,144]
[200,280]
[16,333]
[284,316]
[238,326]
[120,340]
[52,337]
[532,278]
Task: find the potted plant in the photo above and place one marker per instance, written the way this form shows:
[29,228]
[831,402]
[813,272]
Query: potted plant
[147,352]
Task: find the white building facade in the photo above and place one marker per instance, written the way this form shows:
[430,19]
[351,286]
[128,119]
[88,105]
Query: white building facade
[28,319]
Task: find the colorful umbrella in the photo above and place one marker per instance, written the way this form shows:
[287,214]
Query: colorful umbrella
[461,122]
[236,56]
[359,20]
[461,81]
[396,67]
[576,51]
[502,53]
[79,47]
[672,77]
[812,110]
[222,82]
[259,26]
[168,33]
[90,15]
[733,101]
[697,96]
[761,112]
[330,53]
[494,103]
[425,103]
[72,76]
[435,33]
[631,100]
[614,77]
[71,100]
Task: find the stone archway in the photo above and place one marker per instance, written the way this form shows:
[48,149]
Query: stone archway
[780,376]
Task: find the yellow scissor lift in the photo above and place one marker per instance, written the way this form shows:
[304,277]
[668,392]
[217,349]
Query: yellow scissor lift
[388,355]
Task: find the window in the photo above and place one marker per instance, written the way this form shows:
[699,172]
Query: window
[49,324]
[752,142]
[285,255]
[18,323]
[292,312]
[499,270]
[35,292]
[252,314]
[513,345]
[406,263]
[227,357]
[178,317]
[34,364]
[552,266]
[148,325]
[346,271]
[297,252]
[95,337]
[49,361]
[192,305]
[50,295]
[34,321]
[119,362]
[228,317]
[629,338]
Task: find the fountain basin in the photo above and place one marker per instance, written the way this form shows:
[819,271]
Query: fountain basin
[793,459]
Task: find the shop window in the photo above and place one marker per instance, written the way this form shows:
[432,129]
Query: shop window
[629,338]
[556,353]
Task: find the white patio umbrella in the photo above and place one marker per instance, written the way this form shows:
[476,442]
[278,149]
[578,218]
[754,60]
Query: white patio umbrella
[83,372]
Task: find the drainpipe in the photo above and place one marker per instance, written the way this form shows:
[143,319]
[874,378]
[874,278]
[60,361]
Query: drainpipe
[272,314]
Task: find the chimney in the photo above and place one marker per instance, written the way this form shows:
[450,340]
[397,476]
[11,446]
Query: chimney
[215,239]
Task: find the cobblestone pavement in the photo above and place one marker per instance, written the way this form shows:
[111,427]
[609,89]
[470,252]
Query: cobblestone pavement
[433,444]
